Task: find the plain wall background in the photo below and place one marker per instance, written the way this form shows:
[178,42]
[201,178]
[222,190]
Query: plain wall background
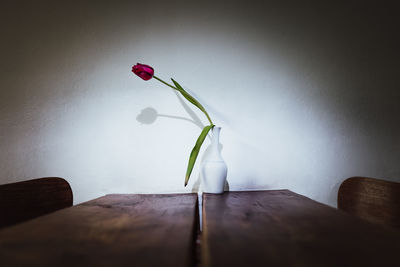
[307,94]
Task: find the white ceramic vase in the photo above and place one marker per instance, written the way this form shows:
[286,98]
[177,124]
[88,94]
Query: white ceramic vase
[213,168]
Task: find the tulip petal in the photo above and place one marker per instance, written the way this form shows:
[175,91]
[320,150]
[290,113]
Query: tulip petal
[195,151]
[145,72]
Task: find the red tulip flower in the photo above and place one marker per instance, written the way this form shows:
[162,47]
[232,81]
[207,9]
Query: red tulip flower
[143,71]
[146,73]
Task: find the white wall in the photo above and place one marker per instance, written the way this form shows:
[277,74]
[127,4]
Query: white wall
[306,94]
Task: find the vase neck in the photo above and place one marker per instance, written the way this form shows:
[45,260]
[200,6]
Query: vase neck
[215,154]
[215,137]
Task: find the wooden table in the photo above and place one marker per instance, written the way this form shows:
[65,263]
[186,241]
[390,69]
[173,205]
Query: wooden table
[282,228]
[262,228]
[114,230]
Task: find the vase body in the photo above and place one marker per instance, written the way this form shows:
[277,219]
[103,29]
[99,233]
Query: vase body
[213,168]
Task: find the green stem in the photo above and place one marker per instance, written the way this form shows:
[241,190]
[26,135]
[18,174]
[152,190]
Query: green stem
[173,87]
[167,84]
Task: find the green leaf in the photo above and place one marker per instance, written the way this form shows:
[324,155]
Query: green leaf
[191,99]
[195,151]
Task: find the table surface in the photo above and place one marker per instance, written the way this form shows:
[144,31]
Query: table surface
[282,228]
[258,228]
[114,230]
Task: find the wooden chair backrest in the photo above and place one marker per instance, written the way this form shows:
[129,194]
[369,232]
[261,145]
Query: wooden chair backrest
[371,199]
[26,200]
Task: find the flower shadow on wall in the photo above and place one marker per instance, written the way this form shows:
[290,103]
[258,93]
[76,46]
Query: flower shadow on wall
[149,115]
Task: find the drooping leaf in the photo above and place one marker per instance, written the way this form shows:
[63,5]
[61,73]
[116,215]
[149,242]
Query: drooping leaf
[191,99]
[195,151]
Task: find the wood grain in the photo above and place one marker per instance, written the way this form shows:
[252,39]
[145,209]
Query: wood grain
[114,230]
[375,200]
[281,228]
[26,200]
